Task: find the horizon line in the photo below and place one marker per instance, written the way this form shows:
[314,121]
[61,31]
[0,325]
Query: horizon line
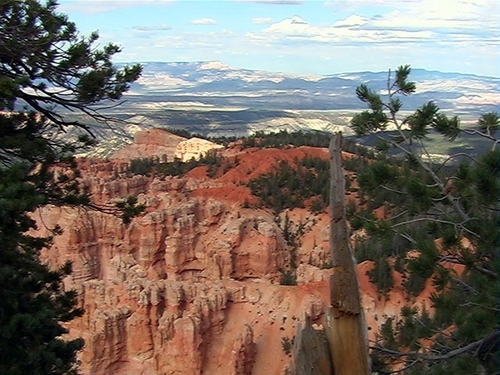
[294,73]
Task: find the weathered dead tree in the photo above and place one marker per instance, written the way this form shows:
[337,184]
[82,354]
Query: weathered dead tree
[311,351]
[346,327]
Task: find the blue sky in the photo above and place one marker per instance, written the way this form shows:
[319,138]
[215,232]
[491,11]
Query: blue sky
[303,37]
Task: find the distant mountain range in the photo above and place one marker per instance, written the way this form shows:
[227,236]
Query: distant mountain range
[214,84]
[213,99]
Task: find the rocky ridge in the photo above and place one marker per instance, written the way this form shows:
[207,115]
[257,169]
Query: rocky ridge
[192,286]
[162,144]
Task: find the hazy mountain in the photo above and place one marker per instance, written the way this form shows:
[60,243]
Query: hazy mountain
[216,84]
[213,99]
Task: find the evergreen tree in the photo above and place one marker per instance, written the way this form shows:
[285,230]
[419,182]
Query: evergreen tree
[489,123]
[450,213]
[46,69]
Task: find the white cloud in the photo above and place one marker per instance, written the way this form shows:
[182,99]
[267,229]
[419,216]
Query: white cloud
[204,21]
[95,7]
[350,21]
[262,21]
[440,22]
[438,14]
[291,26]
[350,30]
[151,28]
[273,2]
[350,5]
[361,34]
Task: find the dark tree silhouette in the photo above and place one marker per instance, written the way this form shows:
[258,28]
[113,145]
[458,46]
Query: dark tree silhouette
[46,69]
[449,211]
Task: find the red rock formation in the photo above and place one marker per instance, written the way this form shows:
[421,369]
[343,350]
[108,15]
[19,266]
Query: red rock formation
[165,146]
[191,286]
[151,142]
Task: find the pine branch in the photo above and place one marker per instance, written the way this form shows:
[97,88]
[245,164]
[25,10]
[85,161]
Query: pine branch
[485,135]
[474,346]
[455,260]
[421,219]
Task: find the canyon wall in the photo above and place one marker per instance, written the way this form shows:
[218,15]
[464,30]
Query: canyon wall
[165,146]
[192,285]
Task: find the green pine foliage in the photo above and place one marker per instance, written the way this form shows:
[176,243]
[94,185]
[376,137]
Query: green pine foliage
[489,123]
[284,138]
[217,165]
[287,345]
[46,66]
[289,186]
[292,235]
[288,277]
[439,215]
[382,275]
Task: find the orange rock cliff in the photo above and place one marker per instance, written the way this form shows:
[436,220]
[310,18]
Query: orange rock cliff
[192,286]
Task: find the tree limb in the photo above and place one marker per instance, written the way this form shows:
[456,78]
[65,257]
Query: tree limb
[476,345]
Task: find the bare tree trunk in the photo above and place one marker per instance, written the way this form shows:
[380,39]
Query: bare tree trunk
[346,327]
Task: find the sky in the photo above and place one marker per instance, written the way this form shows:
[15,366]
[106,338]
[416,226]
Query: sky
[300,37]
